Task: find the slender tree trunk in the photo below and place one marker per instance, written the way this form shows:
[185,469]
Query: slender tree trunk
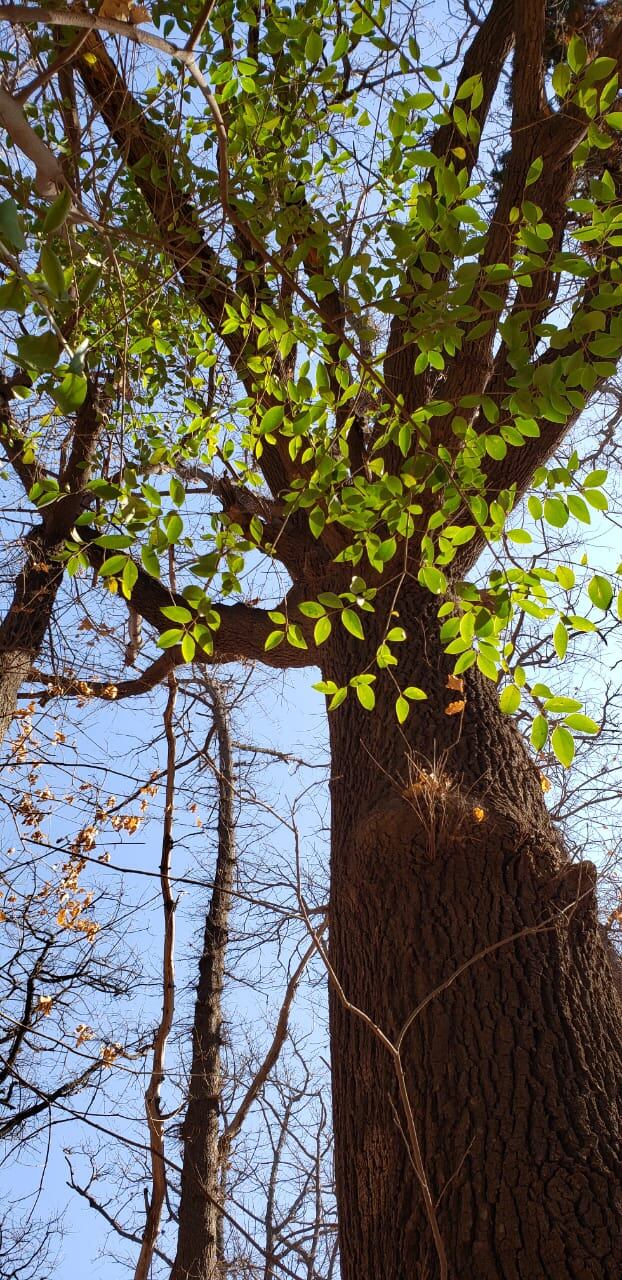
[200,1238]
[442,848]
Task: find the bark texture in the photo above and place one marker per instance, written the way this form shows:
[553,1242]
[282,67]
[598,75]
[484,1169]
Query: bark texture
[23,629]
[513,1071]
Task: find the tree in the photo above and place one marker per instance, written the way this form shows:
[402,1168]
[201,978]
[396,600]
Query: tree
[377,327]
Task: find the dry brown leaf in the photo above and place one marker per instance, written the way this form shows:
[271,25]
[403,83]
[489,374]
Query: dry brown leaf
[139,13]
[119,10]
[455,682]
[454,708]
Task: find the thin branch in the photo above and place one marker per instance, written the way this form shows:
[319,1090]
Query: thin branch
[155,1122]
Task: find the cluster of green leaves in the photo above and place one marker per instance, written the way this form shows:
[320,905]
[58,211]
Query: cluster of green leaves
[300,123]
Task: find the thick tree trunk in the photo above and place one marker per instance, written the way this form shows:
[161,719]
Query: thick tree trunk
[512,1070]
[23,629]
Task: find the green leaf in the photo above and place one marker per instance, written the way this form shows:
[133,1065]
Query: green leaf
[577,54]
[534,171]
[562,743]
[557,704]
[173,526]
[71,392]
[366,696]
[314,47]
[113,565]
[129,578]
[555,512]
[432,578]
[414,694]
[52,269]
[600,592]
[402,709]
[13,296]
[560,640]
[150,561]
[10,226]
[271,419]
[317,520]
[275,638]
[39,351]
[322,630]
[57,212]
[352,623]
[170,638]
[295,636]
[337,699]
[176,613]
[509,699]
[581,723]
[539,732]
[311,609]
[188,648]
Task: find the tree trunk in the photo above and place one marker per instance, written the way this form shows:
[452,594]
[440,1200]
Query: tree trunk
[26,621]
[442,848]
[200,1237]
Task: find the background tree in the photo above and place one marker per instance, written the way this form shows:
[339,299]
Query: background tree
[413,316]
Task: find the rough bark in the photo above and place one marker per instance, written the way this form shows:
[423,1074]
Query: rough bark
[511,1071]
[199,1241]
[23,629]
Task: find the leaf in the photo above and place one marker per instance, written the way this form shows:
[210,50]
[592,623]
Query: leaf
[52,269]
[534,171]
[560,640]
[10,226]
[337,699]
[173,526]
[271,419]
[509,699]
[414,694]
[275,638]
[581,723]
[555,512]
[322,630]
[432,578]
[295,636]
[539,732]
[600,592]
[57,212]
[71,392]
[311,609]
[402,709]
[129,578]
[455,708]
[558,704]
[13,296]
[150,561]
[170,638]
[113,565]
[176,613]
[562,743]
[577,54]
[188,648]
[317,520]
[352,623]
[39,351]
[366,696]
[314,47]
